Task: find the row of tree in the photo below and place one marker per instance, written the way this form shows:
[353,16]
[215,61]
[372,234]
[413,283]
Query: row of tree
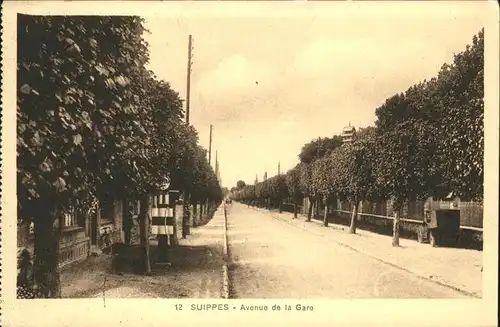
[92,123]
[427,141]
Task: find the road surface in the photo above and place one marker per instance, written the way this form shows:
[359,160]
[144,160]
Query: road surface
[273,259]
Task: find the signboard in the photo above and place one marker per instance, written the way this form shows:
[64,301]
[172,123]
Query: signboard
[162,214]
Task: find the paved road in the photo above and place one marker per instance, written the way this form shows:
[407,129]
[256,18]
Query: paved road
[273,259]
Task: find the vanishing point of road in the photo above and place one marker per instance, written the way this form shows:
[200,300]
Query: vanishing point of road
[273,259]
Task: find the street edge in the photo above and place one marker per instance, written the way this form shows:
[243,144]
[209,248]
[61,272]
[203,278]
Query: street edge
[417,274]
[225,270]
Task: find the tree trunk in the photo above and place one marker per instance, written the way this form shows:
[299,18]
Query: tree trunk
[280,203]
[185,215]
[295,208]
[311,205]
[127,221]
[325,214]
[316,208]
[144,231]
[174,239]
[354,218]
[396,225]
[200,215]
[46,265]
[195,212]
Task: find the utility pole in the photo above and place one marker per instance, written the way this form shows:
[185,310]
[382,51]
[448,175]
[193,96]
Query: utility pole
[216,166]
[189,68]
[186,214]
[207,204]
[210,147]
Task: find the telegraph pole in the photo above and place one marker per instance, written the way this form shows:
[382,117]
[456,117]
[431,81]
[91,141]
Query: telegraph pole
[185,198]
[189,68]
[207,205]
[210,147]
[216,164]
[217,173]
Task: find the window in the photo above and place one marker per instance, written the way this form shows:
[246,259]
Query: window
[107,208]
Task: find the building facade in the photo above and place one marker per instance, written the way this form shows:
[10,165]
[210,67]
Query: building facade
[80,235]
[348,134]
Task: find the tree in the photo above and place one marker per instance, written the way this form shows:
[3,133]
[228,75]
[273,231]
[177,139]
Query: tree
[391,113]
[278,190]
[405,166]
[365,132]
[319,148]
[459,118]
[306,187]
[311,152]
[200,181]
[352,173]
[321,170]
[77,84]
[446,157]
[293,184]
[240,184]
[162,154]
[449,102]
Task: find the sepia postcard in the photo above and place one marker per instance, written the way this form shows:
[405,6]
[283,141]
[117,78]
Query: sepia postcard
[247,163]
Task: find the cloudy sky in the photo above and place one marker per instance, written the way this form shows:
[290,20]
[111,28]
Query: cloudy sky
[270,83]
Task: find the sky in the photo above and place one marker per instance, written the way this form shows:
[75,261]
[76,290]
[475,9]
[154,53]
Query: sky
[271,83]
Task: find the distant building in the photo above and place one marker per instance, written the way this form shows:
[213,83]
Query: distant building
[348,134]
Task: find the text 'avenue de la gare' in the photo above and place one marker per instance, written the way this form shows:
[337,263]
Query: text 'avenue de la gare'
[245,307]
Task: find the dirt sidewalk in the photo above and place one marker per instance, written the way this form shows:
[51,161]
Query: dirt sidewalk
[196,271]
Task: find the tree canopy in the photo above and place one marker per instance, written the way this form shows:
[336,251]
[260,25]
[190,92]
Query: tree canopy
[427,141]
[318,148]
[92,121]
[240,184]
